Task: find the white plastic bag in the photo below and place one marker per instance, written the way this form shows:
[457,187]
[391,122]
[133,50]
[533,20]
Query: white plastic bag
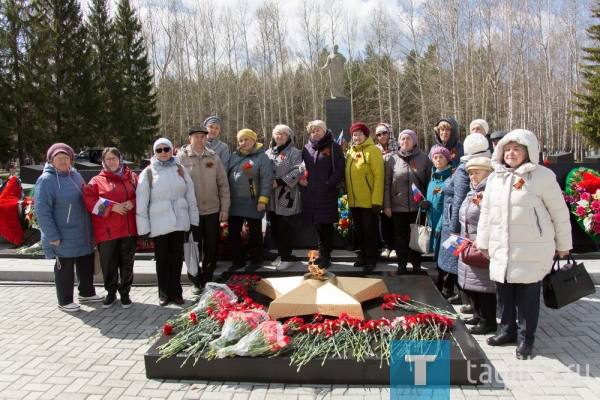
[191,255]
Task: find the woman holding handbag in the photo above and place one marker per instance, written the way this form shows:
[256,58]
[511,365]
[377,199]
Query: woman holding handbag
[524,222]
[364,180]
[474,277]
[407,167]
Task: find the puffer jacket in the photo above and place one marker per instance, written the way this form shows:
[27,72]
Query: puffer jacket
[435,195]
[319,198]
[472,278]
[285,198]
[61,214]
[170,205]
[220,149]
[250,182]
[524,218]
[210,180]
[454,146]
[365,175]
[400,173]
[457,187]
[101,194]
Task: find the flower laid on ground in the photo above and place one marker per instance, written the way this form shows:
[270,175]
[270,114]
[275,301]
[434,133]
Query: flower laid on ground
[344,216]
[400,302]
[167,329]
[268,338]
[237,325]
[583,195]
[248,281]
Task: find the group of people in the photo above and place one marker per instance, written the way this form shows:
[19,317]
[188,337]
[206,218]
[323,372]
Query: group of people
[489,190]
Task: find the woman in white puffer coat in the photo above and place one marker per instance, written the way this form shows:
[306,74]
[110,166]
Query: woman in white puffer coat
[166,208]
[524,222]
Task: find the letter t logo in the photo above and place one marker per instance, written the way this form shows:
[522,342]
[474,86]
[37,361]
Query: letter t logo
[420,367]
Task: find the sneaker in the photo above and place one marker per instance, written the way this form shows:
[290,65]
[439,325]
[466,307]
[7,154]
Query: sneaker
[393,255]
[91,299]
[163,301]
[284,265]
[385,253]
[126,301]
[73,307]
[276,262]
[196,291]
[110,299]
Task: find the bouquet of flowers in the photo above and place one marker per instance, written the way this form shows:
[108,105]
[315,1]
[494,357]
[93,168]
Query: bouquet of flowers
[398,301]
[215,295]
[344,216]
[29,212]
[268,338]
[583,195]
[223,232]
[248,281]
[237,325]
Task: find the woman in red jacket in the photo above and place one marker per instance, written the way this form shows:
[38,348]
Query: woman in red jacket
[110,197]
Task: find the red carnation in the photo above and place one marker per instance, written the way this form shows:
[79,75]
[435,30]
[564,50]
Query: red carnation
[193,318]
[167,329]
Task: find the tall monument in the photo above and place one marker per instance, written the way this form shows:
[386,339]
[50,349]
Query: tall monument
[338,108]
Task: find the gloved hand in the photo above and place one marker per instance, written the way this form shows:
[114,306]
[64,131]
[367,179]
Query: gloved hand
[425,204]
[195,230]
[144,238]
[376,209]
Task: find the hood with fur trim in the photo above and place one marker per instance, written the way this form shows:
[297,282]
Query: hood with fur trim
[454,136]
[523,137]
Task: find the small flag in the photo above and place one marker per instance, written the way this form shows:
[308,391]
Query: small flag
[101,207]
[340,139]
[303,171]
[455,244]
[417,195]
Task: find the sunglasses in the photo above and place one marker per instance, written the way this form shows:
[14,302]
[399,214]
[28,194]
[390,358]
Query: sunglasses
[165,149]
[382,134]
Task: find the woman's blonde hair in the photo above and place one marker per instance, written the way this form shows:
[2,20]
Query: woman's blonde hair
[443,124]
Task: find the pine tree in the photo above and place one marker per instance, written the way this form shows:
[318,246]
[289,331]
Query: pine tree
[102,39]
[65,102]
[12,85]
[137,117]
[589,102]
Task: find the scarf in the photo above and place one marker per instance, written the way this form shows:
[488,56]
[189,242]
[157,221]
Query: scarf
[119,171]
[167,163]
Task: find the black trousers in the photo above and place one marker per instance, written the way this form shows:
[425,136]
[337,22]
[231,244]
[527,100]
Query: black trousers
[386,231]
[402,221]
[207,246]
[519,301]
[325,240]
[446,281]
[365,223]
[282,227]
[64,277]
[484,305]
[255,240]
[168,253]
[116,258]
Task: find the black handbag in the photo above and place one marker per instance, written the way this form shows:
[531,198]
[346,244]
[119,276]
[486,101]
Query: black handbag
[351,239]
[566,284]
[341,185]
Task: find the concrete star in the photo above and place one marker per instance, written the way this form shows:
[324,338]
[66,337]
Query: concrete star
[301,295]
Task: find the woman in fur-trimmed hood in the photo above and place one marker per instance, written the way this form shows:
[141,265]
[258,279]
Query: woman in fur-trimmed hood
[524,222]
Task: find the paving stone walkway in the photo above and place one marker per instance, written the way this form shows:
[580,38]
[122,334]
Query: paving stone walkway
[46,353]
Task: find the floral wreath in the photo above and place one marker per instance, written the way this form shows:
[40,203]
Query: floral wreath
[582,193]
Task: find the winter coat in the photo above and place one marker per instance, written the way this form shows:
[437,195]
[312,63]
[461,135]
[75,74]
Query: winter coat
[170,205]
[319,198]
[472,278]
[101,194]
[250,182]
[210,180]
[524,218]
[220,150]
[400,174]
[61,214]
[454,146]
[365,175]
[435,195]
[285,198]
[457,187]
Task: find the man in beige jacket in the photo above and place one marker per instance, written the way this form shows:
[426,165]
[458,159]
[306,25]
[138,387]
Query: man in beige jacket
[212,194]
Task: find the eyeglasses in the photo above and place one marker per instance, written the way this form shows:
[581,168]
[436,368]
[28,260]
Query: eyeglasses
[62,158]
[382,134]
[165,149]
[112,159]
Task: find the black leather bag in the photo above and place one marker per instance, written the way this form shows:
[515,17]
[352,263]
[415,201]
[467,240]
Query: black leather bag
[351,239]
[566,284]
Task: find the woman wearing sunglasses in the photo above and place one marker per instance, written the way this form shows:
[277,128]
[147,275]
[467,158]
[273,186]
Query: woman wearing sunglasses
[166,208]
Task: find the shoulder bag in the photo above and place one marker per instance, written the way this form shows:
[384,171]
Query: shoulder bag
[566,284]
[471,254]
[420,235]
[341,185]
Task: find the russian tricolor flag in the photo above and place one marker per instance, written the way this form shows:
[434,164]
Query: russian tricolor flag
[101,207]
[417,195]
[340,138]
[455,244]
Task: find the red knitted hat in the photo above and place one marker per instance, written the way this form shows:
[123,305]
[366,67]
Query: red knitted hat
[360,126]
